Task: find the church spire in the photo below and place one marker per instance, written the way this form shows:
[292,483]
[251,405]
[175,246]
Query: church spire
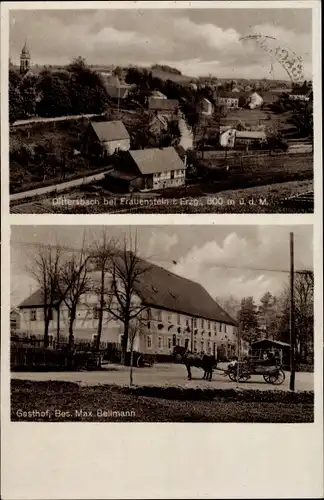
[24,58]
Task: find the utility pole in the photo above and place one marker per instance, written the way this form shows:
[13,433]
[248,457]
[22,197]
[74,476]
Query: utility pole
[292,316]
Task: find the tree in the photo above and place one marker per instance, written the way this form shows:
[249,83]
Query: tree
[135,328]
[304,312]
[127,272]
[45,269]
[248,320]
[230,304]
[102,255]
[73,284]
[267,314]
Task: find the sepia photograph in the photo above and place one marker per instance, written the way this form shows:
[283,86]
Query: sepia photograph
[164,110]
[209,323]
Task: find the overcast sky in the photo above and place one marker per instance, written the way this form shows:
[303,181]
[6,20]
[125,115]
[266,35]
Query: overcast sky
[199,253]
[196,41]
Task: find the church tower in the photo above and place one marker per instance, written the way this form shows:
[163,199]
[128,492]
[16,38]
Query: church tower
[24,59]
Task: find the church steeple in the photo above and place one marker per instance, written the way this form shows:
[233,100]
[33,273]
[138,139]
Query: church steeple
[24,59]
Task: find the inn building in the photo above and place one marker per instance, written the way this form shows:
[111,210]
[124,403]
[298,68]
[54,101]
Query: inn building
[176,311]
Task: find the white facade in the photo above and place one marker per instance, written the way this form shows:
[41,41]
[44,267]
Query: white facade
[172,178]
[161,330]
[112,146]
[255,101]
[229,102]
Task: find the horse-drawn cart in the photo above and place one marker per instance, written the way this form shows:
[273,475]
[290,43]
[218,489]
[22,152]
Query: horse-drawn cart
[241,372]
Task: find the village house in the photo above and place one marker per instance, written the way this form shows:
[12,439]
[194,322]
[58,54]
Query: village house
[205,107]
[149,169]
[300,94]
[255,101]
[177,311]
[107,136]
[14,319]
[167,106]
[229,99]
[246,138]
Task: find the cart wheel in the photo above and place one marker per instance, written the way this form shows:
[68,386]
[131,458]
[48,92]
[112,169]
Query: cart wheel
[266,378]
[243,377]
[139,361]
[278,378]
[232,375]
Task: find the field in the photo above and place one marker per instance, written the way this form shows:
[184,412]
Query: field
[64,401]
[269,179]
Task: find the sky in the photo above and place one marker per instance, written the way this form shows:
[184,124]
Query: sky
[195,41]
[195,252]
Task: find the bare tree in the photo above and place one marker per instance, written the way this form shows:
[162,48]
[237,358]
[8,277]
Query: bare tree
[102,255]
[127,272]
[74,282]
[135,328]
[45,269]
[304,311]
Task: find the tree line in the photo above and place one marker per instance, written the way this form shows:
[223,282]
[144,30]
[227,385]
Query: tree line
[65,278]
[270,318]
[75,90]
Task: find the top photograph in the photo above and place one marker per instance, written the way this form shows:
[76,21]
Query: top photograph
[161,111]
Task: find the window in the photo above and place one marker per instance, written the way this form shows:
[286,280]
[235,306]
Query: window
[179,319]
[202,323]
[225,328]
[169,342]
[202,344]
[209,347]
[159,315]
[195,322]
[215,326]
[172,174]
[195,345]
[33,315]
[149,314]
[208,325]
[149,341]
[220,327]
[186,343]
[170,318]
[187,322]
[160,342]
[209,334]
[178,341]
[174,340]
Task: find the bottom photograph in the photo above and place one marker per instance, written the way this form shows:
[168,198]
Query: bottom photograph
[178,323]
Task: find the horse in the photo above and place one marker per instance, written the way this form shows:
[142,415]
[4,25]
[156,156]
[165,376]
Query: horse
[205,361]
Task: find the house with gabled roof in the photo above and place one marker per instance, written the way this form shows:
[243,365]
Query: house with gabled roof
[111,136]
[176,311]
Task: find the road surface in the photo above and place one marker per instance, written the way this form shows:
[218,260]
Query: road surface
[163,375]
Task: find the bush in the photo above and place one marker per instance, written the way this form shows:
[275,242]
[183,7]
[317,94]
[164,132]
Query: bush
[198,394]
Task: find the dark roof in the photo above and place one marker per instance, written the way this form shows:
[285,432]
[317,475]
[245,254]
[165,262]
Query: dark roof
[110,131]
[152,161]
[36,299]
[160,288]
[163,104]
[232,95]
[251,134]
[301,91]
[117,91]
[272,342]
[163,289]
